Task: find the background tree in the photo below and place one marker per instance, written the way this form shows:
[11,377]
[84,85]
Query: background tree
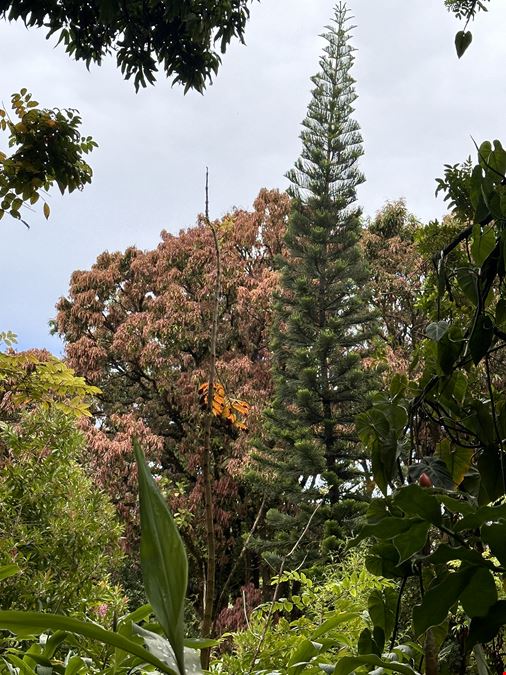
[56,526]
[138,324]
[177,37]
[323,320]
[397,271]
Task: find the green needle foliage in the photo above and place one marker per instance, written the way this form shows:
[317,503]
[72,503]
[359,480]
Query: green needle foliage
[323,321]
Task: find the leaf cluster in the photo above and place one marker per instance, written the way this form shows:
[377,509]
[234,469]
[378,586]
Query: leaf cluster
[48,149]
[177,37]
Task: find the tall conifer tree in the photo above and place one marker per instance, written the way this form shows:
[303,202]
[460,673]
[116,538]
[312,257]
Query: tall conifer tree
[323,321]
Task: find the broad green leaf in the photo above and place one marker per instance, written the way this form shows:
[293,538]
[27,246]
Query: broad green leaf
[494,536]
[485,628]
[163,559]
[348,664]
[468,282]
[7,571]
[483,243]
[367,643]
[332,622]
[383,561]
[160,647]
[484,514]
[18,622]
[418,501]
[462,41]
[438,600]
[500,314]
[75,665]
[480,593]
[457,459]
[381,608]
[481,337]
[387,528]
[413,540]
[445,553]
[492,477]
[435,468]
[304,651]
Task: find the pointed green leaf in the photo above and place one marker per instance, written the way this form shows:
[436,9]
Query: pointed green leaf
[18,622]
[163,559]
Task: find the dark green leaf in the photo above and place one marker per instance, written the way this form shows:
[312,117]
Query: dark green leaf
[304,651]
[485,628]
[418,501]
[411,541]
[438,600]
[494,536]
[445,553]
[462,41]
[435,468]
[479,594]
[367,644]
[482,337]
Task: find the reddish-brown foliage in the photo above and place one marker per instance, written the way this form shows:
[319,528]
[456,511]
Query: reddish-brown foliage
[138,325]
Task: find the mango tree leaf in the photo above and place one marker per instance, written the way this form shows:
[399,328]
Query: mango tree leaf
[163,559]
[19,622]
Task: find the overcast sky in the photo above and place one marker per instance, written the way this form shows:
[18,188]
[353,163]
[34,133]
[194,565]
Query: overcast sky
[418,106]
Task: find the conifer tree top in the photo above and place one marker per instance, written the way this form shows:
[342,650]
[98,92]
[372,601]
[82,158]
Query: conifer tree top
[331,139]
